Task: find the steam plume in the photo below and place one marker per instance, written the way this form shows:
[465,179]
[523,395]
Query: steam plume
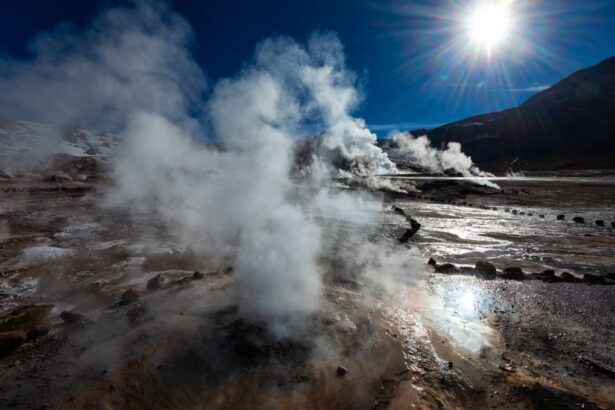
[234,201]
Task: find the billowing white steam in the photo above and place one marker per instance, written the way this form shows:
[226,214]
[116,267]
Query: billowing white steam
[232,201]
[130,58]
[419,151]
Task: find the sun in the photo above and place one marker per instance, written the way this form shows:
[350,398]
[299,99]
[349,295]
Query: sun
[489,25]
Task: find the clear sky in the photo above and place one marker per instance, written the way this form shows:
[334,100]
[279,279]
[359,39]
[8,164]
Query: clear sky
[416,60]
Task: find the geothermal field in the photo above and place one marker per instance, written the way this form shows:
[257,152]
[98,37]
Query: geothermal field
[173,241]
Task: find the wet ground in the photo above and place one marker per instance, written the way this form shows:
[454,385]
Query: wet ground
[432,341]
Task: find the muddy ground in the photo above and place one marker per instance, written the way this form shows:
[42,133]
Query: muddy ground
[445,338]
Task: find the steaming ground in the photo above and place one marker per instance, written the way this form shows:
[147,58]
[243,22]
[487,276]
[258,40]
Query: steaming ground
[235,242]
[529,344]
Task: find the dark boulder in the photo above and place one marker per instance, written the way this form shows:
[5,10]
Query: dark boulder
[541,216]
[485,270]
[447,268]
[72,317]
[341,371]
[613,224]
[156,283]
[37,332]
[600,222]
[9,344]
[513,272]
[578,220]
[198,275]
[561,217]
[130,296]
[398,210]
[432,262]
[414,228]
[567,277]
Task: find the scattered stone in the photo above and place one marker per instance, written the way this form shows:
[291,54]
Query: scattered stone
[398,210]
[37,332]
[530,214]
[197,275]
[9,343]
[73,317]
[450,365]
[578,220]
[600,222]
[485,270]
[568,277]
[432,262]
[541,216]
[507,367]
[515,212]
[613,224]
[561,217]
[156,283]
[130,296]
[610,276]
[341,371]
[414,228]
[512,272]
[446,268]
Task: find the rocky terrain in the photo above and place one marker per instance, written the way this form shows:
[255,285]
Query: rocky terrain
[495,316]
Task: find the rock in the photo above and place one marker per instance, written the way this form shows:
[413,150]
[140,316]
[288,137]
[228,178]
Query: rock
[198,275]
[561,217]
[600,222]
[541,216]
[568,277]
[398,210]
[613,224]
[588,277]
[37,332]
[512,272]
[446,268]
[450,365]
[515,212]
[485,270]
[610,276]
[341,371]
[73,317]
[130,296]
[9,343]
[530,214]
[156,283]
[578,220]
[432,262]
[414,228]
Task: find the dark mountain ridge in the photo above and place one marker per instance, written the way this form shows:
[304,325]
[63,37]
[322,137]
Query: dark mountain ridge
[568,125]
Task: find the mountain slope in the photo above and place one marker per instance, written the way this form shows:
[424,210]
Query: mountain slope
[26,146]
[571,124]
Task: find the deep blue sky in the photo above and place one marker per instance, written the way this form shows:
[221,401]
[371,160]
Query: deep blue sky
[393,45]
